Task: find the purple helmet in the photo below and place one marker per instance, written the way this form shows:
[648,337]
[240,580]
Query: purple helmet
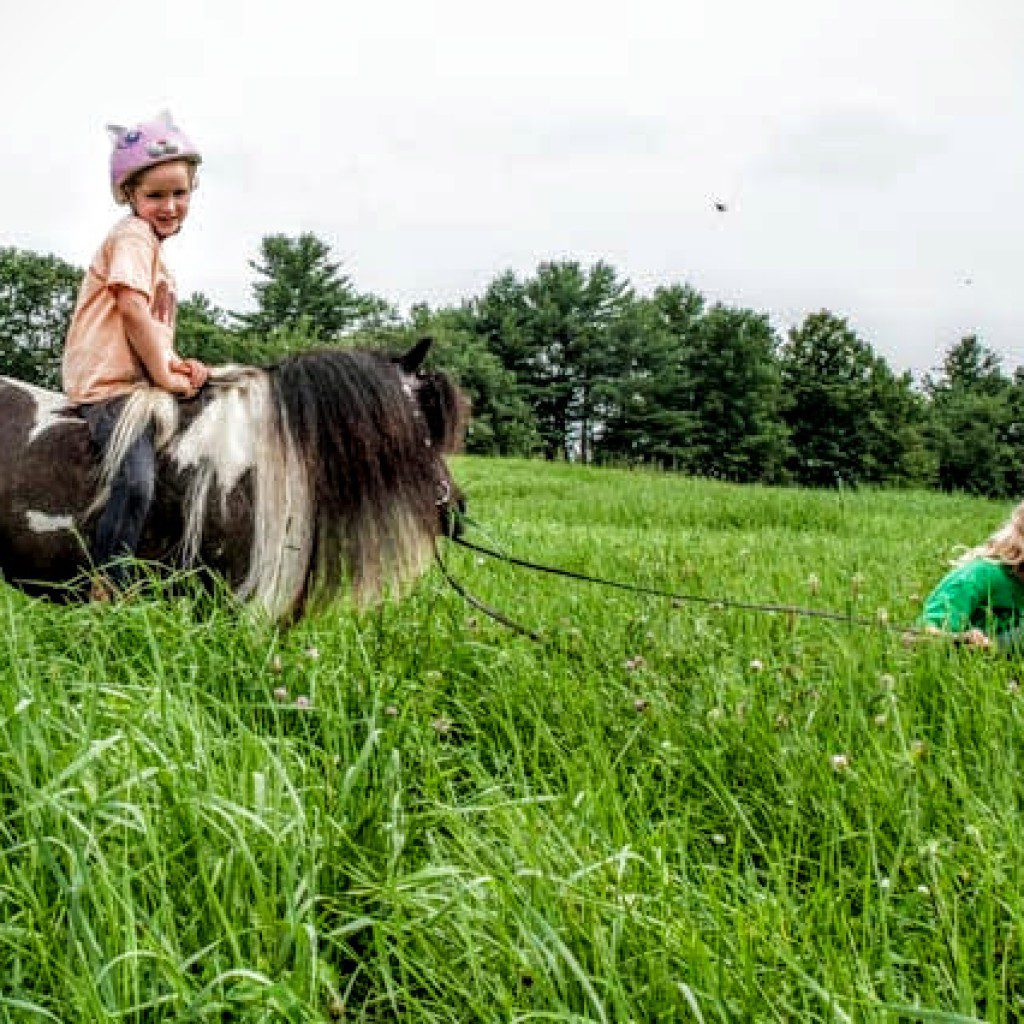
[146,145]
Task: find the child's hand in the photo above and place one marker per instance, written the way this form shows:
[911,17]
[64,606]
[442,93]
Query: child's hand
[977,638]
[197,372]
[972,638]
[174,382]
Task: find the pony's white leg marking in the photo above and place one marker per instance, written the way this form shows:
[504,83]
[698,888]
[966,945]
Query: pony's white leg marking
[43,522]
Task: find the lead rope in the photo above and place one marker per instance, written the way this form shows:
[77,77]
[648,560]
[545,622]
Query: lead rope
[717,602]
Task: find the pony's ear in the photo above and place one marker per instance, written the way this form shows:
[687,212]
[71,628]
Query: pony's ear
[413,359]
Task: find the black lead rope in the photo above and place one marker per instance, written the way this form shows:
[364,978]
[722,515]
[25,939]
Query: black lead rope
[718,602]
[481,605]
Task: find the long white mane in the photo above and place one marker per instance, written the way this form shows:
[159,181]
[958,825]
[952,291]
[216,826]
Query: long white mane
[238,430]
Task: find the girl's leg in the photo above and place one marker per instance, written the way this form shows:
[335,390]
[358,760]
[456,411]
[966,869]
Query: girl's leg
[121,521]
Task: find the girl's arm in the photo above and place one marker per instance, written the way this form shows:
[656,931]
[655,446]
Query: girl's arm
[148,338]
[950,608]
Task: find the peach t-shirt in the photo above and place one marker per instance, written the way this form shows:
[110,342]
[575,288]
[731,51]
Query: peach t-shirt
[99,360]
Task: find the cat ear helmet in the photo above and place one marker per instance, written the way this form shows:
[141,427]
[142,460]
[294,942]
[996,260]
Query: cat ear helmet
[146,145]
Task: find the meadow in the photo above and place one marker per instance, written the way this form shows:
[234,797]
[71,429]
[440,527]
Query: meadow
[660,812]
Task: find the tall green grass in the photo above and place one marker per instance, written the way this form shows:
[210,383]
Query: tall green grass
[659,813]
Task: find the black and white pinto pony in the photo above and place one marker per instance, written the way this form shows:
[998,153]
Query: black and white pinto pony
[322,474]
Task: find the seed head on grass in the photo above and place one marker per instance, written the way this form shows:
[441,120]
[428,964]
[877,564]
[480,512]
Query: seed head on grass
[281,693]
[840,763]
[756,665]
[813,583]
[441,725]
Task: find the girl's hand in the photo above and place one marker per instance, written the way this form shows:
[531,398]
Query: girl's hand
[174,381]
[977,638]
[196,371]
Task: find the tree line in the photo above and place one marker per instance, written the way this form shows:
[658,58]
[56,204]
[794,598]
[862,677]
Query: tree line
[572,363]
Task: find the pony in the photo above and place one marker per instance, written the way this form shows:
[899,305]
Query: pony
[321,474]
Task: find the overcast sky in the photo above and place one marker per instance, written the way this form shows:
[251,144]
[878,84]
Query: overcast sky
[871,152]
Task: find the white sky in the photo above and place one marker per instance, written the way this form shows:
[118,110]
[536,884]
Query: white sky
[871,151]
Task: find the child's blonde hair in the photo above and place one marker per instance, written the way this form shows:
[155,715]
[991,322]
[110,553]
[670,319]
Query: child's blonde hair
[1006,545]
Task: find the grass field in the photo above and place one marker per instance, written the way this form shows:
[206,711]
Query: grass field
[658,813]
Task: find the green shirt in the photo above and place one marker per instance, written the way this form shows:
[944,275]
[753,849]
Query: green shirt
[977,595]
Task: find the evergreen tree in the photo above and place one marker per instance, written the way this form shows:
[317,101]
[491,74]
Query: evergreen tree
[555,333]
[975,425]
[851,419]
[733,391]
[648,416]
[300,290]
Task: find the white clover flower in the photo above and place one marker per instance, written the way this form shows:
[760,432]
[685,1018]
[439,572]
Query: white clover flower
[839,762]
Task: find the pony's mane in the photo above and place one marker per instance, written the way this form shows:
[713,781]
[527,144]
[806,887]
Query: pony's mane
[345,476]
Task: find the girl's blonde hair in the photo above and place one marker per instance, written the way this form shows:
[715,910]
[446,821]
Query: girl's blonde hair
[1006,545]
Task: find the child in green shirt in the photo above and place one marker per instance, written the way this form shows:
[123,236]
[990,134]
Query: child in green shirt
[981,600]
